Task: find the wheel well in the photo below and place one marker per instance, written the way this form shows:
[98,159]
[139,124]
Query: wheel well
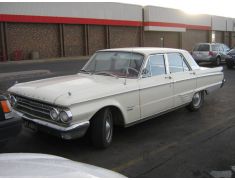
[118,118]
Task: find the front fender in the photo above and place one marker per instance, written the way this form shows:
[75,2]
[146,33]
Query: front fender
[85,111]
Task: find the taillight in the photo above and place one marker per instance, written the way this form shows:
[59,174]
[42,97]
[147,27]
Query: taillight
[211,53]
[6,107]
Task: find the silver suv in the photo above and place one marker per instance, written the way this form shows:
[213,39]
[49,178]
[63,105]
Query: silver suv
[210,52]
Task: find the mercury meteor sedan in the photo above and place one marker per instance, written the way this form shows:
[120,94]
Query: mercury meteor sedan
[120,87]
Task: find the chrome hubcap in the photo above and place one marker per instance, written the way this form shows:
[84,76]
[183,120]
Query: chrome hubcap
[108,128]
[196,99]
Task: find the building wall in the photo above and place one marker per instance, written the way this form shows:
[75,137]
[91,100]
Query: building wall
[121,36]
[191,37]
[1,39]
[219,36]
[154,39]
[26,38]
[219,23]
[74,40]
[226,38]
[81,28]
[96,38]
[90,10]
[233,39]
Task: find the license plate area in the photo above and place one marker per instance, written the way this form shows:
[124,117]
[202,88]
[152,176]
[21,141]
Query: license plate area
[30,125]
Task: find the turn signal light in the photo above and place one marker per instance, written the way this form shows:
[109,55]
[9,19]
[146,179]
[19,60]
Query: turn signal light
[6,107]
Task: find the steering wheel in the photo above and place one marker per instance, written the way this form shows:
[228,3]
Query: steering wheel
[133,69]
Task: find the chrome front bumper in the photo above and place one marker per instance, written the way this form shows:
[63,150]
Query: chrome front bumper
[71,132]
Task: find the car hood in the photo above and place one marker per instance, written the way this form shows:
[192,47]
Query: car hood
[30,165]
[67,90]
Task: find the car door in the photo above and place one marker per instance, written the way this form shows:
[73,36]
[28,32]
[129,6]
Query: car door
[184,79]
[156,87]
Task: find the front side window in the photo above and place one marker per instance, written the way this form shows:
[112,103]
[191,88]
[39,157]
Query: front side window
[120,64]
[226,48]
[156,65]
[177,63]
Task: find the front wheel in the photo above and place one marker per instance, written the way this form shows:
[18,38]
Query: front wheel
[197,101]
[102,128]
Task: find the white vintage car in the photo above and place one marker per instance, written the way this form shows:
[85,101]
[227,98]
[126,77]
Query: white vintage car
[116,87]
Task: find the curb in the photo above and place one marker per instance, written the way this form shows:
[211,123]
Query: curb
[23,74]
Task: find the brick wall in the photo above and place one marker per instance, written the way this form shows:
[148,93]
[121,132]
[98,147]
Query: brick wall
[121,36]
[219,36]
[191,37]
[161,39]
[26,38]
[97,38]
[74,40]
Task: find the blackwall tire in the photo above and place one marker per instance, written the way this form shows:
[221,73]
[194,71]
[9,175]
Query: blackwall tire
[197,101]
[217,61]
[102,129]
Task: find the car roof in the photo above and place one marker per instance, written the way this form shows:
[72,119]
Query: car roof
[144,50]
[209,43]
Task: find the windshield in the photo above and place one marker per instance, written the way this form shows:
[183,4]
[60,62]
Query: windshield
[120,64]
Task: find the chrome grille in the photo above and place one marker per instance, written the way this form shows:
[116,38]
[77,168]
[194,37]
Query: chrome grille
[33,108]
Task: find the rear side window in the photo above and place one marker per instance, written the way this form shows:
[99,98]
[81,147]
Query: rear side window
[202,47]
[177,63]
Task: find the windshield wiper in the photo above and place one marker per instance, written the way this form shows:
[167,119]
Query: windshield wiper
[85,71]
[107,73]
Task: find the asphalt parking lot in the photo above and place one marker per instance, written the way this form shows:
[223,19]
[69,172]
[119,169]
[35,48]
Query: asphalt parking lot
[177,144]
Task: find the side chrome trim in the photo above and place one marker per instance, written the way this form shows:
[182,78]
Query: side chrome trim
[155,115]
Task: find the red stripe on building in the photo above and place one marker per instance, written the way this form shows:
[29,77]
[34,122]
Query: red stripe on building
[164,24]
[177,25]
[71,20]
[66,20]
[197,27]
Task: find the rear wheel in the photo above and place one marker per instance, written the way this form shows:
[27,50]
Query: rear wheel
[197,101]
[217,61]
[102,128]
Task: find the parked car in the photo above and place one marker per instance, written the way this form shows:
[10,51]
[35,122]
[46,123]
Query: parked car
[230,60]
[210,52]
[10,122]
[116,87]
[33,165]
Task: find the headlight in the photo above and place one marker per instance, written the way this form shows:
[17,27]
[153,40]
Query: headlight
[13,100]
[54,113]
[65,116]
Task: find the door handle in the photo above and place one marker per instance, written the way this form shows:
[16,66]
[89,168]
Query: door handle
[193,73]
[168,77]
